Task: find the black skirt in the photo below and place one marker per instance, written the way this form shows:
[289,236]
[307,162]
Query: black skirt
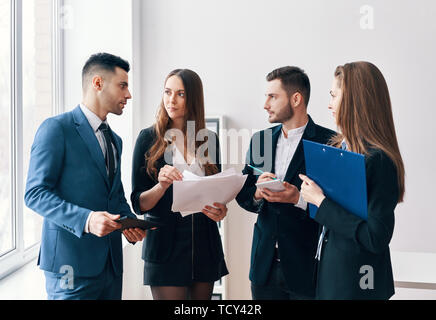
[191,259]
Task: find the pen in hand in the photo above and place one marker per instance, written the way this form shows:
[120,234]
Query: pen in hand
[260,171]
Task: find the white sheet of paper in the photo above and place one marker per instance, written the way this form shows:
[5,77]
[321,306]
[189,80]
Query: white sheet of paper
[194,193]
[273,185]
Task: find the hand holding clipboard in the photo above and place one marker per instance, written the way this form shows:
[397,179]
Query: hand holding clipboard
[340,174]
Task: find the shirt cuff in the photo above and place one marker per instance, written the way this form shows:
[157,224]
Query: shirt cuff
[257,202]
[87,222]
[301,203]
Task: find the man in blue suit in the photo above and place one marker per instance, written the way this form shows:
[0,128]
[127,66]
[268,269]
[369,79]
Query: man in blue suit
[74,182]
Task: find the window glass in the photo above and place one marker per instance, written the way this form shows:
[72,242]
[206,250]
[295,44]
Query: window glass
[6,227]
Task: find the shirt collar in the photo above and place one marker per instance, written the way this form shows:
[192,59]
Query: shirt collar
[93,119]
[295,132]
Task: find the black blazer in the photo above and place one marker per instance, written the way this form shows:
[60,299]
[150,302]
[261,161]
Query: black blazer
[352,245]
[295,231]
[158,244]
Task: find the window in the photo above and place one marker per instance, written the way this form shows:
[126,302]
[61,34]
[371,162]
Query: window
[37,92]
[6,227]
[28,63]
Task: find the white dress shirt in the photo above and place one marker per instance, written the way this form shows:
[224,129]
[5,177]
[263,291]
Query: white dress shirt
[95,122]
[285,151]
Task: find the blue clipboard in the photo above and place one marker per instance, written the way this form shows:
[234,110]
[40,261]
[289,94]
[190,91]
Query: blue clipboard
[340,174]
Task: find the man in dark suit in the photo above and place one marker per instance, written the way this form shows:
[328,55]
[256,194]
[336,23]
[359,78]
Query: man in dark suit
[74,182]
[285,238]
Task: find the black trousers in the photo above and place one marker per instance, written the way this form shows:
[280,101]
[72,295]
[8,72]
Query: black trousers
[275,288]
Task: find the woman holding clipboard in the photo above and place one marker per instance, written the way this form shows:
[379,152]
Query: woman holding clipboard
[184,258]
[353,254]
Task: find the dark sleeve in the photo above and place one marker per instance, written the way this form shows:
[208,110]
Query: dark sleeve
[141,181]
[375,234]
[245,198]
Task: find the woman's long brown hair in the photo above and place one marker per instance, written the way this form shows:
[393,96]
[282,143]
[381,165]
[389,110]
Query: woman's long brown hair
[194,106]
[365,115]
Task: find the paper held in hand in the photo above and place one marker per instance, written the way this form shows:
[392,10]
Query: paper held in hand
[194,193]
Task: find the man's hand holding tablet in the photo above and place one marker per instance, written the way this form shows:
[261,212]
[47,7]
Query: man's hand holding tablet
[273,190]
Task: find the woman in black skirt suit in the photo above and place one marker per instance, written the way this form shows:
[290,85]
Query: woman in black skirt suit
[354,256]
[184,258]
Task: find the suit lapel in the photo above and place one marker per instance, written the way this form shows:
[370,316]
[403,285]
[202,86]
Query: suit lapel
[276,132]
[88,136]
[298,159]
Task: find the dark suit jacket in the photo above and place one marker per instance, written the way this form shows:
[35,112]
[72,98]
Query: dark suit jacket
[67,180]
[351,244]
[158,245]
[291,227]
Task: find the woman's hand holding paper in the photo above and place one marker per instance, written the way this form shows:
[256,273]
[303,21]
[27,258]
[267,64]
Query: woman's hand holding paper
[216,213]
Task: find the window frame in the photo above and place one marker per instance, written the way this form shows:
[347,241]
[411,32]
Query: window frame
[19,255]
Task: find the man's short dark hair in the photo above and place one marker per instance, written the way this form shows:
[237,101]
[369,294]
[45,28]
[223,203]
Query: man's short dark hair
[293,80]
[103,61]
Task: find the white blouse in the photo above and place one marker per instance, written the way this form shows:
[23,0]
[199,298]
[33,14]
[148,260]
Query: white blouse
[180,163]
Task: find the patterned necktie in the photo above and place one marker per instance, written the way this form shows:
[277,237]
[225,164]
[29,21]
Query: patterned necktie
[109,156]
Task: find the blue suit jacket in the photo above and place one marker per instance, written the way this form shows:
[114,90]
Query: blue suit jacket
[67,180]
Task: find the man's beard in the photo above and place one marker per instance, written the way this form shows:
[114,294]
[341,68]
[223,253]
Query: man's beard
[284,115]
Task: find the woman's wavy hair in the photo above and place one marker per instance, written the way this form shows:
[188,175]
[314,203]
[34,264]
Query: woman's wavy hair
[194,106]
[365,115]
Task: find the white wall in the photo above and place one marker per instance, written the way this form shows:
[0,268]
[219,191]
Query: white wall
[234,44]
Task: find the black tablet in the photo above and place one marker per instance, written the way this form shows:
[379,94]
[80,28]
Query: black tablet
[129,223]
